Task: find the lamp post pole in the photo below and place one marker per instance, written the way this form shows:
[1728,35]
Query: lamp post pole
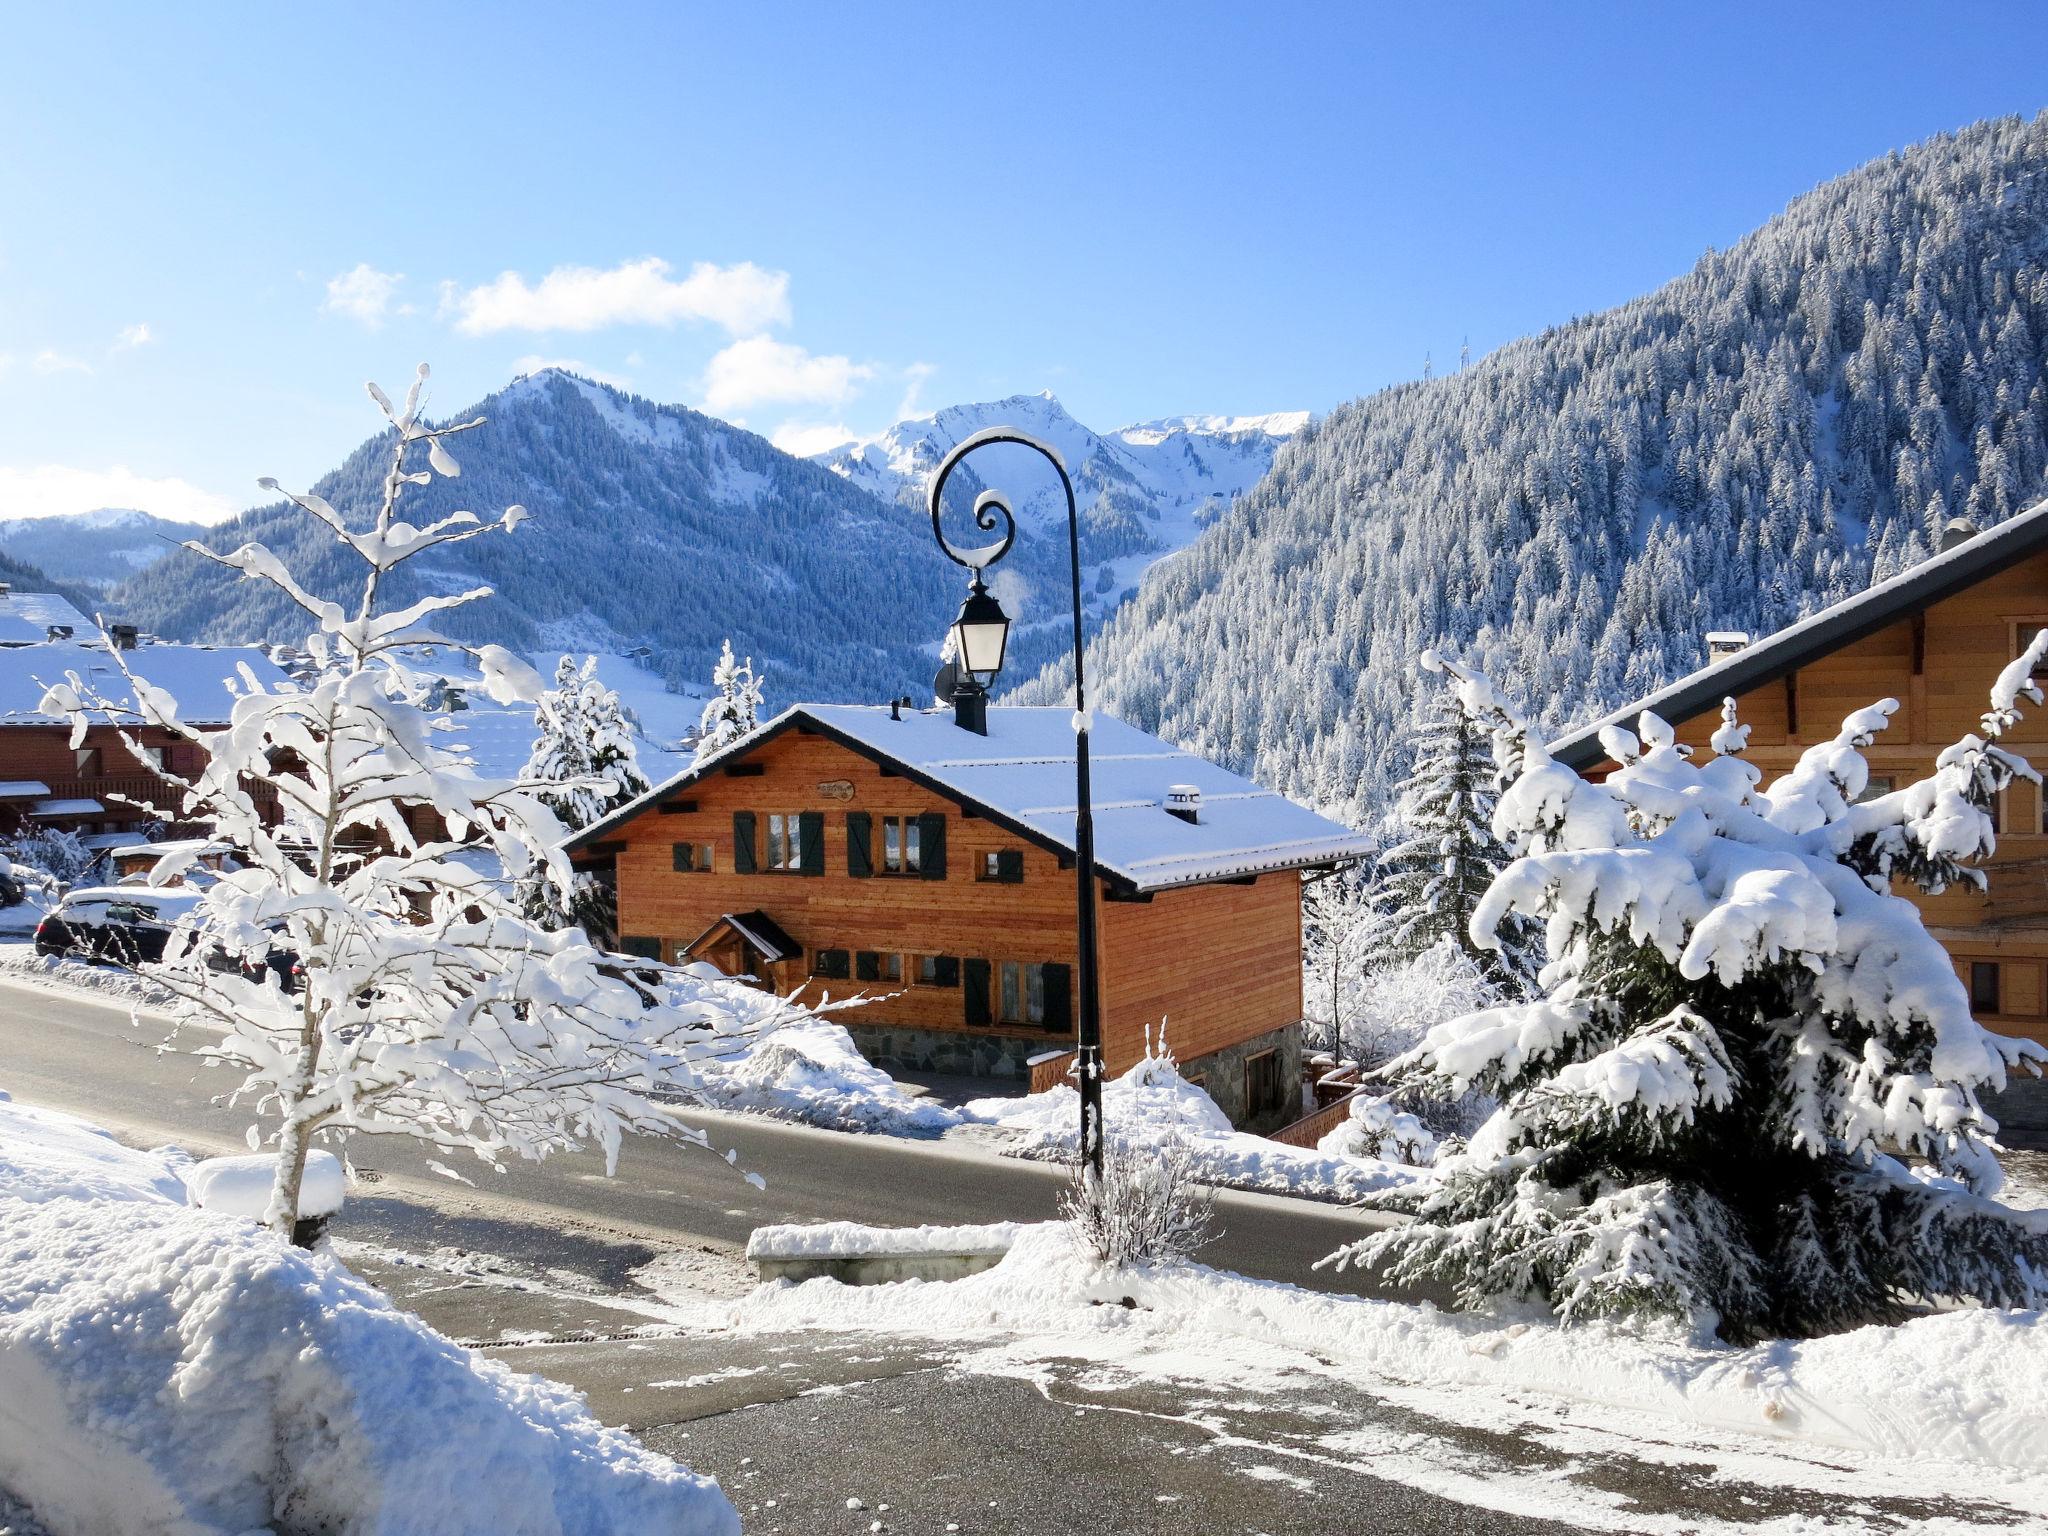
[989,507]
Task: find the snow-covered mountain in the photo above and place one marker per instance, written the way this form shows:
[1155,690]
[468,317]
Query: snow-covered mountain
[1144,491]
[94,549]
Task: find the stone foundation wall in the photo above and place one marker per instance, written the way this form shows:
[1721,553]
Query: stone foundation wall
[1223,1077]
[900,1048]
[2022,1113]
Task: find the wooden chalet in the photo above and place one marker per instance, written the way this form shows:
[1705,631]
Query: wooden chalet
[1934,638]
[100,787]
[840,849]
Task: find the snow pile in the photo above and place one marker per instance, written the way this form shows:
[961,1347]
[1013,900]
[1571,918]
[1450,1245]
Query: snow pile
[1375,1128]
[165,1368]
[849,1239]
[809,1070]
[1960,1386]
[1152,1101]
[240,1186]
[20,962]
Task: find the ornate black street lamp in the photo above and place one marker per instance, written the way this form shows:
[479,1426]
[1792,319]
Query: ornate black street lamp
[979,636]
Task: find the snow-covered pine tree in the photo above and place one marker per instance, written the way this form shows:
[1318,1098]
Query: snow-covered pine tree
[1431,881]
[426,1005]
[585,746]
[735,709]
[1753,1095]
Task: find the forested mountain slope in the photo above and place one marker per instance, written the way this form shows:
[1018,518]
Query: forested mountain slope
[94,549]
[650,524]
[1576,510]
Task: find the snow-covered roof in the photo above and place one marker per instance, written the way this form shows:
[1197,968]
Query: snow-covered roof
[197,676]
[1021,775]
[76,806]
[23,789]
[1763,661]
[26,617]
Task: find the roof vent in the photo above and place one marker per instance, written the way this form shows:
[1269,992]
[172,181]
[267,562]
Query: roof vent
[123,636]
[1725,642]
[1184,801]
[6,587]
[1957,530]
[56,632]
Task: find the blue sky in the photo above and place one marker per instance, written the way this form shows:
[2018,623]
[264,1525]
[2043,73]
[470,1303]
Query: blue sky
[215,222]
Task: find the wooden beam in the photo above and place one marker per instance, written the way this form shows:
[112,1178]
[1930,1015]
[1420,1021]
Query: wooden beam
[1792,705]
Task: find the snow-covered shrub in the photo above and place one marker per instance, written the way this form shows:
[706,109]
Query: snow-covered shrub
[1746,1041]
[1394,1004]
[426,1003]
[734,709]
[62,856]
[1147,1207]
[1378,1127]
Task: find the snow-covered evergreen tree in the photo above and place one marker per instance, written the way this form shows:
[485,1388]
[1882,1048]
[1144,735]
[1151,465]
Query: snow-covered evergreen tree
[1753,1095]
[424,1004]
[585,746]
[735,709]
[1447,855]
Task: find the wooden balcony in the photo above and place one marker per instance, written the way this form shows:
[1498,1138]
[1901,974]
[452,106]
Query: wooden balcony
[166,799]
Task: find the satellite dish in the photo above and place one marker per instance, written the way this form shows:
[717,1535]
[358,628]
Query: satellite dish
[947,683]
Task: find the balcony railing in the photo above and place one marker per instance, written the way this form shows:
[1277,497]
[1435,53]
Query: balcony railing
[115,791]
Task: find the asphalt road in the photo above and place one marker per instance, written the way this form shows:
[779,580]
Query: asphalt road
[76,1053]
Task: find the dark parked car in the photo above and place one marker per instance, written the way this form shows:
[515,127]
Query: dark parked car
[128,925]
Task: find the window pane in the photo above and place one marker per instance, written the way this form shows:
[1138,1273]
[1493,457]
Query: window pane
[1013,999]
[1984,986]
[704,857]
[892,844]
[991,866]
[1035,1004]
[910,844]
[892,967]
[928,969]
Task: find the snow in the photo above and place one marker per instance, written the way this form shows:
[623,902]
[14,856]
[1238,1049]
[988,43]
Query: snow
[27,617]
[202,678]
[847,1239]
[1023,770]
[809,1070]
[240,1186]
[164,1368]
[1960,1387]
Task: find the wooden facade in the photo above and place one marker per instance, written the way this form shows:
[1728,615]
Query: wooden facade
[1939,661]
[978,940]
[103,769]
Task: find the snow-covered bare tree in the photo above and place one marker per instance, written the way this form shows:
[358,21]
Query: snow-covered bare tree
[585,746]
[1433,878]
[424,1003]
[732,711]
[1753,1095]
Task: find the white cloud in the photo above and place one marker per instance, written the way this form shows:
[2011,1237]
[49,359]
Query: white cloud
[51,361]
[51,490]
[913,388]
[759,370]
[132,336]
[533,362]
[806,438]
[365,295]
[742,299]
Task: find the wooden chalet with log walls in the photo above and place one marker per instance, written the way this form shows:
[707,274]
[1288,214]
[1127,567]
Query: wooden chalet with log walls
[1934,638]
[840,849]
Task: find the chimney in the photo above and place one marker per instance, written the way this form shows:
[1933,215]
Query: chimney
[123,636]
[1957,530]
[1184,801]
[1723,643]
[6,587]
[56,632]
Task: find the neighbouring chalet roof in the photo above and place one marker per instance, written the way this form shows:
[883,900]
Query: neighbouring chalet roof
[1021,776]
[23,789]
[77,806]
[26,618]
[761,933]
[1854,618]
[197,676]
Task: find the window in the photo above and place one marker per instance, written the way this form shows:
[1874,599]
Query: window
[1877,785]
[892,967]
[1002,865]
[868,965]
[785,841]
[1984,986]
[1021,996]
[88,760]
[1998,812]
[693,858]
[1263,1096]
[834,964]
[938,971]
[902,846]
[158,758]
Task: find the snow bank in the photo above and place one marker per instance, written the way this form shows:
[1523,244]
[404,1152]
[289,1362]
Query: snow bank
[20,962]
[848,1239]
[240,1186]
[164,1368]
[811,1071]
[1960,1386]
[1151,1101]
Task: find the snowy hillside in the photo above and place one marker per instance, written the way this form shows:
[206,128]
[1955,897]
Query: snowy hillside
[1144,491]
[94,549]
[650,525]
[1574,512]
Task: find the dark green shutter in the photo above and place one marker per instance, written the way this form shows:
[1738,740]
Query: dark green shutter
[931,845]
[810,842]
[685,855]
[743,842]
[867,966]
[1059,999]
[1010,865]
[644,948]
[860,855]
[832,964]
[976,979]
[947,969]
